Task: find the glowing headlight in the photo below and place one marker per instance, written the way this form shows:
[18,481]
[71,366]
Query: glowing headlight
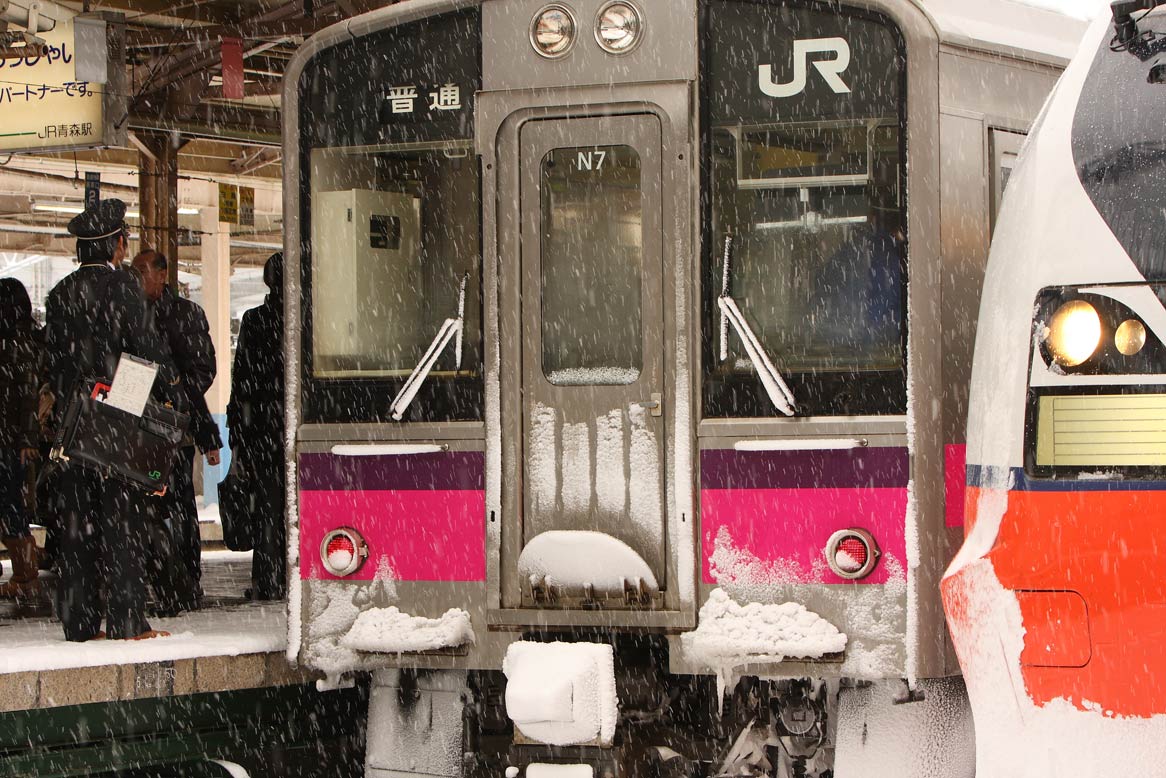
[1074,332]
[618,27]
[1130,337]
[552,31]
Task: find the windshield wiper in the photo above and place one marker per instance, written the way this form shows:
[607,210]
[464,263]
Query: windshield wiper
[449,330]
[775,386]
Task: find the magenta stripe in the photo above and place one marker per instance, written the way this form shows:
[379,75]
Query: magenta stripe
[425,535]
[817,469]
[445,470]
[775,536]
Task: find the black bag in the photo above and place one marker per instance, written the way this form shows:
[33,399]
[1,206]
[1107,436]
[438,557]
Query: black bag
[139,450]
[236,508]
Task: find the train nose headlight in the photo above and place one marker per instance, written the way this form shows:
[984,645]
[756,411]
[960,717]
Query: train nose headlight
[1073,333]
[852,553]
[552,31]
[343,551]
[618,27]
[1130,337]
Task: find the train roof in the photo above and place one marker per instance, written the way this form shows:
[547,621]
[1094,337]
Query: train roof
[1006,27]
[1011,28]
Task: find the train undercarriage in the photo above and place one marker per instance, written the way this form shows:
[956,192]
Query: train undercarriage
[456,723]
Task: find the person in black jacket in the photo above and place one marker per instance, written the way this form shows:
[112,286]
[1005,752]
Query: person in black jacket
[183,325]
[255,427]
[19,433]
[93,316]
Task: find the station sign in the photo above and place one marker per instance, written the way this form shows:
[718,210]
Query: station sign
[43,105]
[228,203]
[246,206]
[92,189]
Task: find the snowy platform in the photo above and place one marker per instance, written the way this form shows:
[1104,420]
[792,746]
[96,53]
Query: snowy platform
[231,644]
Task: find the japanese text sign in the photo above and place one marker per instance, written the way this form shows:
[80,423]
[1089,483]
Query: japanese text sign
[228,203]
[42,105]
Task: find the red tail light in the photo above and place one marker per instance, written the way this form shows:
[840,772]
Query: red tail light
[343,551]
[852,553]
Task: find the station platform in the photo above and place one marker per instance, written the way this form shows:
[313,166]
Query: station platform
[231,644]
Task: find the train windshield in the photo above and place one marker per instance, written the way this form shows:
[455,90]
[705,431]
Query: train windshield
[1119,144]
[805,170]
[391,218]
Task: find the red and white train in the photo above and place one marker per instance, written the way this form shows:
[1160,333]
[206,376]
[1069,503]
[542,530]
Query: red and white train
[1055,601]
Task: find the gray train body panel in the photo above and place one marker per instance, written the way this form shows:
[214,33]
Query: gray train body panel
[960,138]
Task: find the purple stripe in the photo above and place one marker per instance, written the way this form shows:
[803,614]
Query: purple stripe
[833,469]
[440,470]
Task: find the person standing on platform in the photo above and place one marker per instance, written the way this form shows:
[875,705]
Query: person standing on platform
[93,315]
[183,325]
[255,425]
[19,434]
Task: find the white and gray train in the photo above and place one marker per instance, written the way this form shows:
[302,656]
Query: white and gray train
[627,359]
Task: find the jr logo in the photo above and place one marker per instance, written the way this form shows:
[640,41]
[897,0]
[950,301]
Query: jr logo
[830,69]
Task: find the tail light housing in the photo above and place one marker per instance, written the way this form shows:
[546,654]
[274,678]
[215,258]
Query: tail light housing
[343,551]
[852,553]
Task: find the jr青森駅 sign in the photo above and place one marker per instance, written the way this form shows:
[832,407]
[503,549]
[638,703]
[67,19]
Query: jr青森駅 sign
[43,105]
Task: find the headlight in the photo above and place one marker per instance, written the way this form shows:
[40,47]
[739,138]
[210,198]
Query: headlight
[552,31]
[1130,337]
[618,27]
[1074,332]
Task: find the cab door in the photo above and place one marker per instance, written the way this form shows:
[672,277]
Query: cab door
[592,330]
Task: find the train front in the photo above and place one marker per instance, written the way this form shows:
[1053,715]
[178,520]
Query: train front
[599,379]
[1056,600]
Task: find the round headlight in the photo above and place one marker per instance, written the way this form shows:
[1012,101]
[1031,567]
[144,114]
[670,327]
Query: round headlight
[552,31]
[618,27]
[1074,332]
[1130,337]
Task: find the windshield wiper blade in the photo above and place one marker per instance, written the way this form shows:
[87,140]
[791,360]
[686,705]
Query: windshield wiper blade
[775,386]
[450,329]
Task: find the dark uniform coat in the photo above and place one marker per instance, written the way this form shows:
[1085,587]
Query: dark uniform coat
[255,422]
[184,327]
[92,316]
[19,388]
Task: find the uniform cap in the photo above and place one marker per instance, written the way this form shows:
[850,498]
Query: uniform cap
[103,220]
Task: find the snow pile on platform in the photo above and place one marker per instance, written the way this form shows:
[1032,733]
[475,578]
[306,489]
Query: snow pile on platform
[730,635]
[562,694]
[580,558]
[39,645]
[388,630]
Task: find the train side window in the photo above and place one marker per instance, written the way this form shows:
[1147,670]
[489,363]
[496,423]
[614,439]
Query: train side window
[592,247]
[1005,148]
[805,168]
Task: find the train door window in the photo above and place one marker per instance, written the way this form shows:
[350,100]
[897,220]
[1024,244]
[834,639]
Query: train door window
[592,363]
[591,208]
[1005,148]
[805,170]
[390,219]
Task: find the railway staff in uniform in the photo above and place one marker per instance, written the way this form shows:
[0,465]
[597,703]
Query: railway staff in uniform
[255,424]
[184,327]
[93,315]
